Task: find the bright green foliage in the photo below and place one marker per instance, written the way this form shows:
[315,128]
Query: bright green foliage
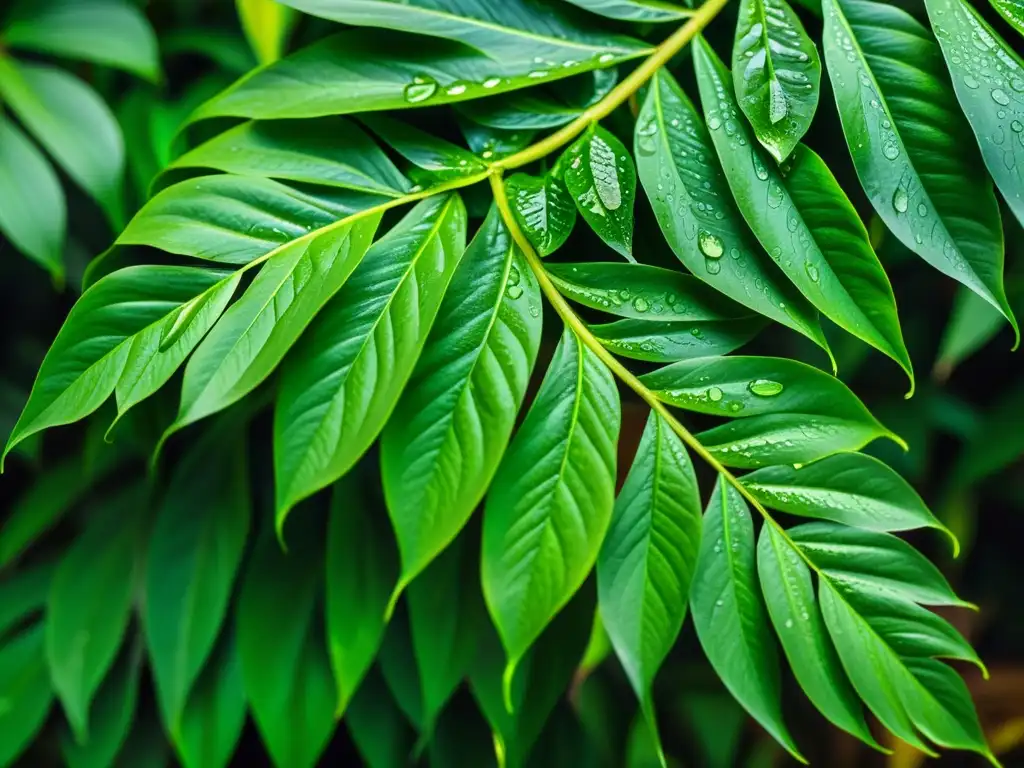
[354,280]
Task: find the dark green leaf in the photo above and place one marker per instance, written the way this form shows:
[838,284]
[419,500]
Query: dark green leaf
[684,181]
[42,506]
[22,594]
[1012,11]
[648,557]
[551,502]
[74,124]
[534,109]
[442,446]
[331,151]
[90,602]
[494,143]
[804,210]
[33,216]
[343,380]
[25,687]
[656,341]
[362,567]
[443,160]
[635,10]
[112,339]
[988,77]
[973,323]
[777,72]
[378,728]
[285,665]
[730,617]
[214,715]
[544,209]
[848,488]
[248,343]
[793,607]
[600,176]
[194,553]
[785,412]
[911,145]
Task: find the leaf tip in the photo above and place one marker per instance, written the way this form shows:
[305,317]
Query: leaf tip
[396,593]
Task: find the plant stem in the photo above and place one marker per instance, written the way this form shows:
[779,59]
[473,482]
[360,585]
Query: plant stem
[571,319]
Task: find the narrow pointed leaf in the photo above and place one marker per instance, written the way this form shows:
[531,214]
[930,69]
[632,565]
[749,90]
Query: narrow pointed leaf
[33,216]
[635,10]
[848,488]
[729,615]
[266,24]
[213,718]
[118,321]
[368,70]
[649,555]
[108,32]
[285,666]
[443,160]
[551,501]
[872,561]
[972,324]
[600,175]
[90,603]
[362,567]
[806,222]
[988,77]
[195,550]
[24,593]
[777,72]
[544,209]
[698,217]
[25,685]
[74,124]
[332,151]
[667,342]
[253,336]
[342,381]
[783,412]
[793,608]
[442,446]
[911,145]
[378,727]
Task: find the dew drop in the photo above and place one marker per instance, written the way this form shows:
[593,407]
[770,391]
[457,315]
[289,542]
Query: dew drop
[640,304]
[715,123]
[765,387]
[970,81]
[778,107]
[514,292]
[999,97]
[714,394]
[420,89]
[890,150]
[789,623]
[710,245]
[812,272]
[900,201]
[492,82]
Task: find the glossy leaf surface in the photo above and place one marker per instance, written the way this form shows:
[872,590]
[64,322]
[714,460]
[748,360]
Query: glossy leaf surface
[544,209]
[666,342]
[634,10]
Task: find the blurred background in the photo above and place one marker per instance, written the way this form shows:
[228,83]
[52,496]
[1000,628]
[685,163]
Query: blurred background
[965,425]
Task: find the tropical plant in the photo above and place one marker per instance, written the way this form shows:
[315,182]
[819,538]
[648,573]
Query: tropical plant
[336,258]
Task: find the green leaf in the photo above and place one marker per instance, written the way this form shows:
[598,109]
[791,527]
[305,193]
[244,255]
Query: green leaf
[22,594]
[777,73]
[398,663]
[235,219]
[551,502]
[834,266]
[194,554]
[635,10]
[505,29]
[266,24]
[444,637]
[666,342]
[253,336]
[648,557]
[74,124]
[546,107]
[885,657]
[212,720]
[109,32]
[40,508]
[378,727]
[146,746]
[362,566]
[452,424]
[702,223]
[729,616]
[493,143]
[997,443]
[543,208]
[973,323]
[111,716]
[793,608]
[90,602]
[911,144]
[784,412]
[988,77]
[443,160]
[350,72]
[1012,11]
[873,562]
[33,216]
[342,381]
[600,176]
[111,335]
[285,666]
[848,488]
[331,151]
[25,687]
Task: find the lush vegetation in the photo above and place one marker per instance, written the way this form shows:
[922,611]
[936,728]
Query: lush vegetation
[449,353]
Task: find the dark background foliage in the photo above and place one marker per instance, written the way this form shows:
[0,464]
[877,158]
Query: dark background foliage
[965,428]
